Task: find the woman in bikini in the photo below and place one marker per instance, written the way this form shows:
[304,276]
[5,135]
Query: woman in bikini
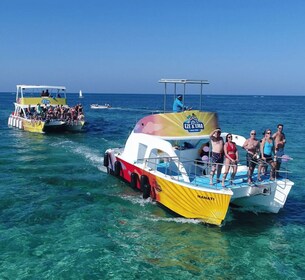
[231,159]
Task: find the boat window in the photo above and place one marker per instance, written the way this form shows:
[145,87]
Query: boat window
[141,152]
[162,162]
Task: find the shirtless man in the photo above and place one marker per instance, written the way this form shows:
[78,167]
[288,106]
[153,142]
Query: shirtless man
[279,142]
[251,145]
[217,154]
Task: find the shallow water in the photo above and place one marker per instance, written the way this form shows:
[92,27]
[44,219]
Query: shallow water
[63,217]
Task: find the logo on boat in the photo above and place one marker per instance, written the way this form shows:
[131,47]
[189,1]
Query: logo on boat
[158,188]
[192,124]
[45,101]
[205,197]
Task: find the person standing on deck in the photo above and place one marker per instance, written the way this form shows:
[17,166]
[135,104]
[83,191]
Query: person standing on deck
[217,154]
[279,143]
[231,159]
[178,105]
[267,150]
[251,145]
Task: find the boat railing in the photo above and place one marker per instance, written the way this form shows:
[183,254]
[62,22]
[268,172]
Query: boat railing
[181,168]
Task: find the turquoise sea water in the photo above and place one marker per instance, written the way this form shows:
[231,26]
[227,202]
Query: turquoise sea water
[63,217]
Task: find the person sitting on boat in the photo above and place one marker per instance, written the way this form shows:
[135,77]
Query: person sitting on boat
[231,159]
[217,153]
[267,150]
[81,117]
[28,111]
[38,109]
[251,145]
[178,105]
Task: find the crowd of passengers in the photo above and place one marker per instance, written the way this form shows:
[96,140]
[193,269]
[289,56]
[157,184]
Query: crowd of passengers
[59,112]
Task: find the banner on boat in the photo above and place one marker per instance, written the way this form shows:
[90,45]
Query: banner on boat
[187,123]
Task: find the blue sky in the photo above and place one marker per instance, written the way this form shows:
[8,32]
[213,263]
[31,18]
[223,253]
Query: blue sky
[126,46]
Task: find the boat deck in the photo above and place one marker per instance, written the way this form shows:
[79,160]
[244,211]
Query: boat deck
[200,177]
[241,180]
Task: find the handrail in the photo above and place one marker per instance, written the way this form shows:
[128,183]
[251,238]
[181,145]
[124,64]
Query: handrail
[190,168]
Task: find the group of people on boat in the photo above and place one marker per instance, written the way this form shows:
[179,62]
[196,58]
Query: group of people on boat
[265,152]
[45,93]
[268,151]
[48,94]
[59,112]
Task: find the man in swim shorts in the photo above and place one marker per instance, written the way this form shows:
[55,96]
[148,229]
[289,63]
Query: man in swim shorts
[279,143]
[217,153]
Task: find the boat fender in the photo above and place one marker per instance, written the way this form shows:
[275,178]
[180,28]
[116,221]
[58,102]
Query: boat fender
[146,191]
[106,159]
[134,178]
[145,187]
[117,168]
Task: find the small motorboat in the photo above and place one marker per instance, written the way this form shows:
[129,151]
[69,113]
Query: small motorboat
[98,106]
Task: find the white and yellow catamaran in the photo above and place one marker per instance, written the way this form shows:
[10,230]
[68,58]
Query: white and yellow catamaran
[44,109]
[160,158]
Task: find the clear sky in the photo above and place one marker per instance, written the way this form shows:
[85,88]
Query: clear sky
[126,46]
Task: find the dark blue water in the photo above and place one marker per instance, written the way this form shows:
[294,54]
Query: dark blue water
[63,217]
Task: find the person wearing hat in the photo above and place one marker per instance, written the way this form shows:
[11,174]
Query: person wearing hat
[178,106]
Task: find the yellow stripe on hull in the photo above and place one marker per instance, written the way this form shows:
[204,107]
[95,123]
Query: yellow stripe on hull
[192,203]
[33,126]
[42,100]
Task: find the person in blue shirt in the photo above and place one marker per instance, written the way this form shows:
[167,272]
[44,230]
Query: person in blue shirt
[267,151]
[178,106]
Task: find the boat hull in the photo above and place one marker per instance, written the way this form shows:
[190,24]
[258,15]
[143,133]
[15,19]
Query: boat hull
[76,126]
[188,201]
[39,126]
[27,125]
[268,197]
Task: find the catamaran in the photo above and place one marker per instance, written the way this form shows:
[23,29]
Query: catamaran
[160,158]
[42,109]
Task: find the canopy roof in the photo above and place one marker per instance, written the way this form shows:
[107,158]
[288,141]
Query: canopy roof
[40,87]
[184,81]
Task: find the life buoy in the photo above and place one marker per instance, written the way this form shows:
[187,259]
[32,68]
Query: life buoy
[134,178]
[145,187]
[106,159]
[117,168]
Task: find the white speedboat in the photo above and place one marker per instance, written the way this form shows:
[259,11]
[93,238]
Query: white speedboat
[98,106]
[160,158]
[44,109]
